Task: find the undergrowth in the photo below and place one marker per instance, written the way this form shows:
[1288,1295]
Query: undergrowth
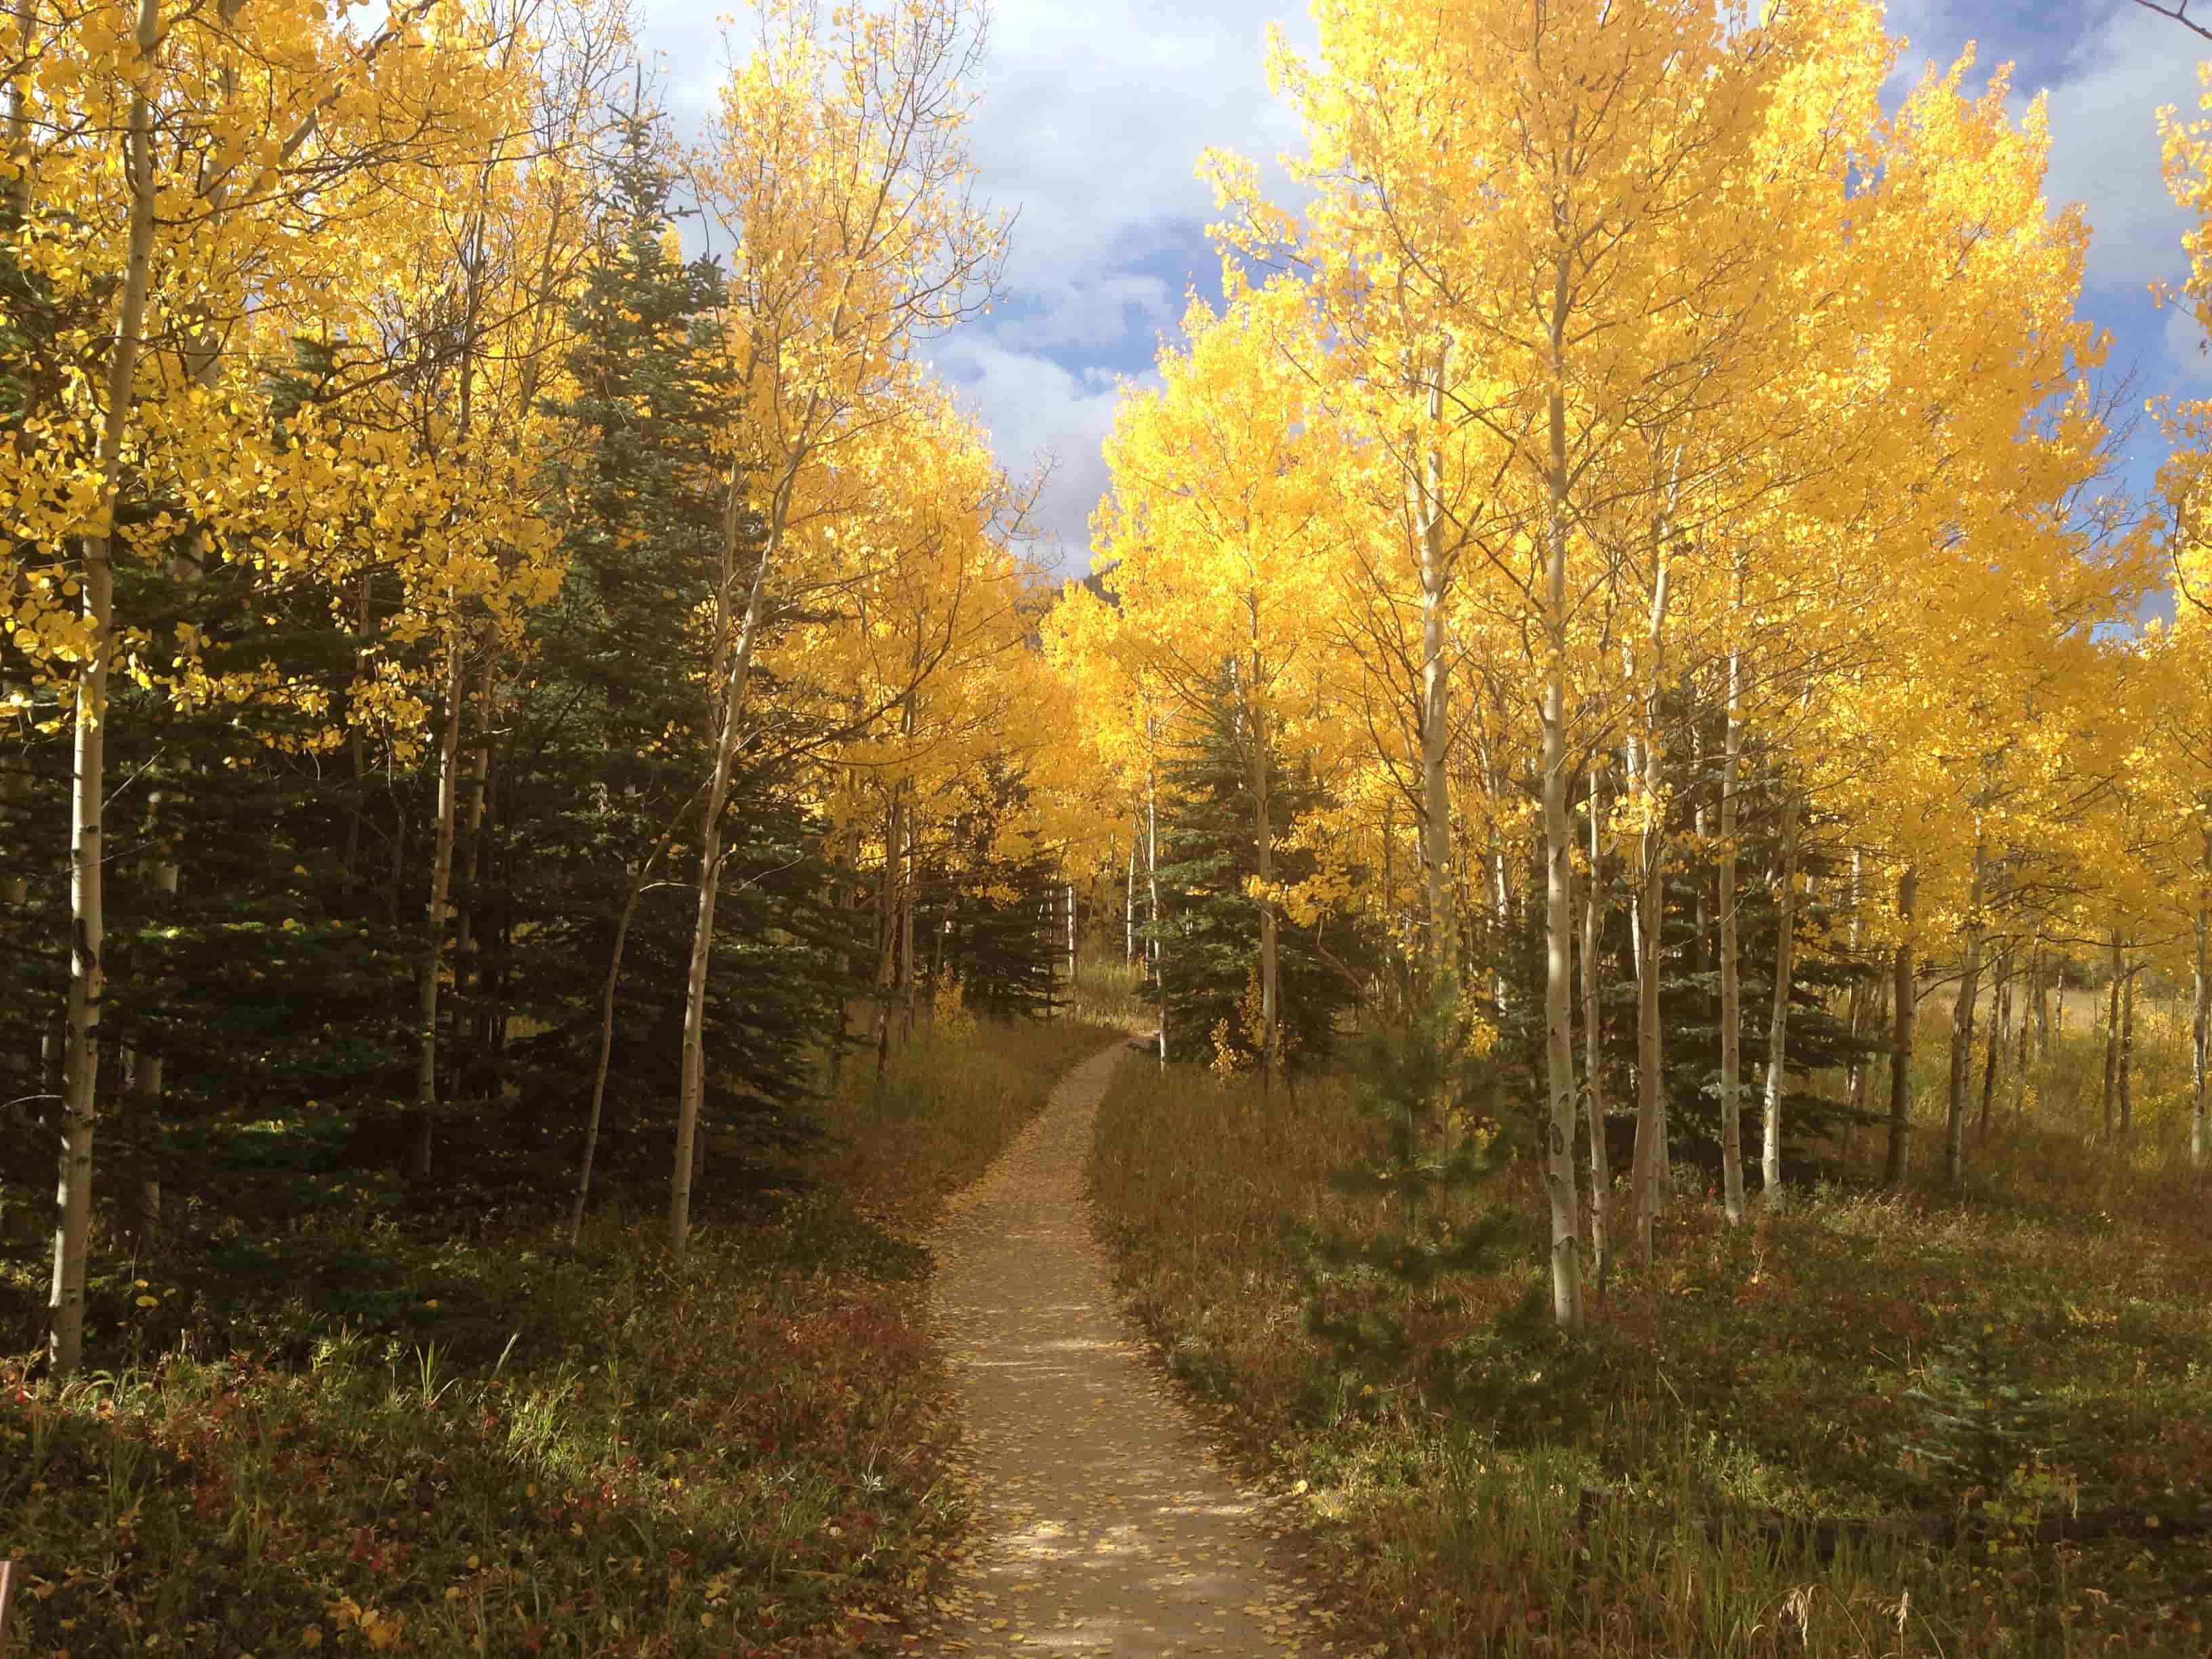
[1735,1459]
[451,1444]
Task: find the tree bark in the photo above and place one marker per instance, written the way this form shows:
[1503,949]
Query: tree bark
[2200,1046]
[637,886]
[1559,920]
[1594,1042]
[1263,844]
[2042,1004]
[1962,1029]
[2127,1063]
[735,666]
[1731,1014]
[1778,1026]
[89,781]
[2002,992]
[1129,902]
[2112,1040]
[1152,881]
[429,974]
[1855,1080]
[1650,926]
[1906,1015]
[1436,706]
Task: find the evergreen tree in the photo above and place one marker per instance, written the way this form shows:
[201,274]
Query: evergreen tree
[1209,925]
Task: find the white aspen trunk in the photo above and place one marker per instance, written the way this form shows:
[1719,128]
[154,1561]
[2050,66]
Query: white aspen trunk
[1153,881]
[887,921]
[89,781]
[1907,1016]
[1855,1081]
[1650,927]
[149,1073]
[479,772]
[1962,1029]
[1777,1028]
[2042,1007]
[1263,839]
[14,784]
[736,662]
[1436,707]
[1559,920]
[2112,1040]
[2200,1045]
[1731,1015]
[2127,1064]
[1593,1044]
[431,971]
[1129,902]
[2000,1014]
[911,983]
[1501,917]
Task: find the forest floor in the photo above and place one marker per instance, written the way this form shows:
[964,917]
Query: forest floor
[1655,1489]
[422,1439]
[1104,1525]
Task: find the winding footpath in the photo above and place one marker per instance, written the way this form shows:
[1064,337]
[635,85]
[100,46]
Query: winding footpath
[1105,1525]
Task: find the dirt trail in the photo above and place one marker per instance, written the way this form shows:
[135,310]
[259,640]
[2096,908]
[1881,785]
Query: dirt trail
[1106,1527]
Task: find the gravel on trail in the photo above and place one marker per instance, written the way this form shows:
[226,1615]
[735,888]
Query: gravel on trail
[1105,1526]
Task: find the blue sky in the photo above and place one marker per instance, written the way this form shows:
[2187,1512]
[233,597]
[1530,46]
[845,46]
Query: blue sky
[1095,112]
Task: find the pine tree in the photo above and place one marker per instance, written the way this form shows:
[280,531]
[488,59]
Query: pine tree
[1210,926]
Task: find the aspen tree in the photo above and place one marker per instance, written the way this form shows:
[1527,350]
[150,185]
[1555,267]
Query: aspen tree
[173,172]
[1215,523]
[837,165]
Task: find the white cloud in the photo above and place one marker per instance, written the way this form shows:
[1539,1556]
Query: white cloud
[2105,148]
[1094,117]
[1042,416]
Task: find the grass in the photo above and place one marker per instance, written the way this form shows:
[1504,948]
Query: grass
[1112,992]
[1747,1376]
[514,1448]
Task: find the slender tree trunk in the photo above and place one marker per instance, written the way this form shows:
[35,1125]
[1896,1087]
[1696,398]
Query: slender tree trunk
[150,1072]
[1901,1053]
[1777,1023]
[432,970]
[2200,1044]
[2042,1003]
[88,782]
[910,978]
[1731,975]
[1153,881]
[1501,924]
[2112,1040]
[2127,1063]
[735,663]
[1594,1042]
[2002,991]
[1855,1077]
[1263,847]
[887,925]
[1651,924]
[1435,704]
[1129,902]
[2026,1020]
[468,970]
[1962,1031]
[1558,846]
[607,987]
